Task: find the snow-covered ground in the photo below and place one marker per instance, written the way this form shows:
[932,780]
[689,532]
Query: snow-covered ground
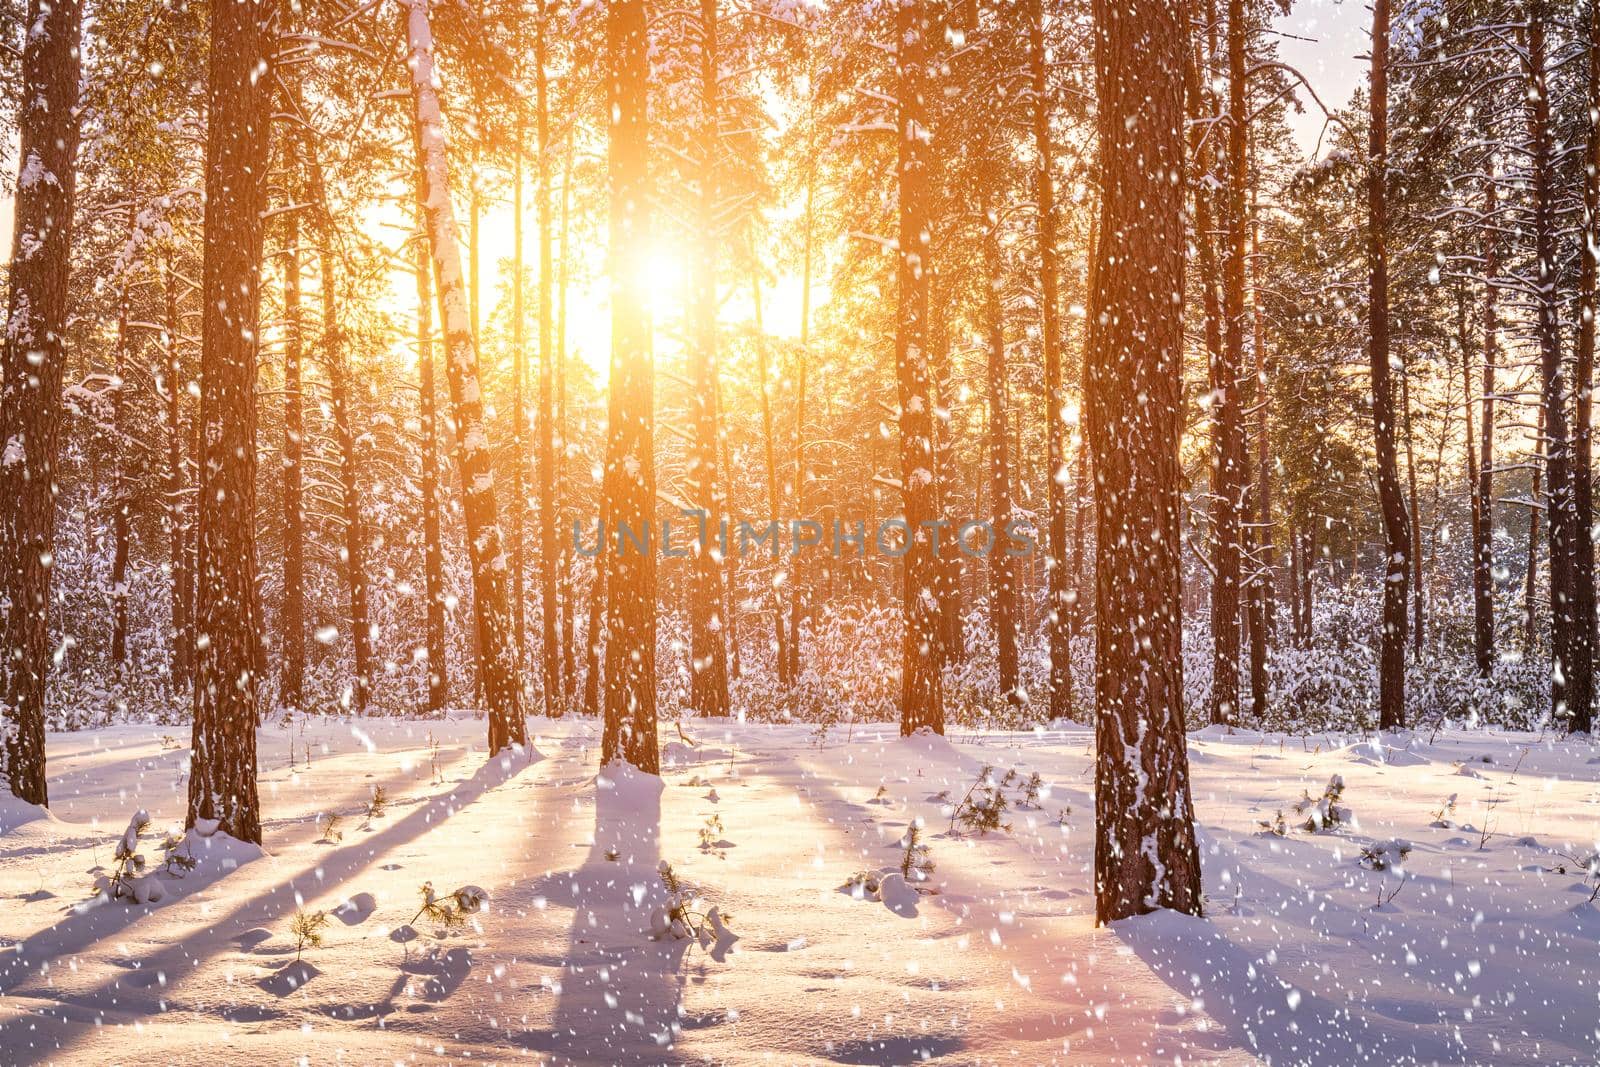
[1487,949]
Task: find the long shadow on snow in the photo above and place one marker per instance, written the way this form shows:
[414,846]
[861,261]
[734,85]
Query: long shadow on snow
[78,932]
[620,990]
[1280,1022]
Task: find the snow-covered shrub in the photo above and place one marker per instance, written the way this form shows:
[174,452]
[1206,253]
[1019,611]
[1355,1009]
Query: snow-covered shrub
[1383,855]
[677,918]
[1324,812]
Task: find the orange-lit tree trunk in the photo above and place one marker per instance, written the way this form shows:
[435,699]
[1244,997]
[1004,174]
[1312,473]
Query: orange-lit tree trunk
[222,776]
[333,352]
[763,383]
[549,356]
[292,614]
[1002,565]
[1396,521]
[568,652]
[121,491]
[1145,855]
[33,361]
[922,691]
[708,647]
[177,509]
[497,659]
[1230,461]
[802,589]
[628,485]
[432,532]
[1058,616]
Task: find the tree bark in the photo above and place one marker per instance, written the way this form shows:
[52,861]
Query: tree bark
[222,778]
[708,648]
[519,404]
[785,676]
[1396,522]
[497,661]
[1483,515]
[1572,666]
[1145,855]
[803,590]
[629,482]
[550,555]
[922,691]
[31,367]
[432,527]
[1230,464]
[1058,615]
[177,513]
[292,615]
[568,652]
[121,491]
[1583,608]
[1002,565]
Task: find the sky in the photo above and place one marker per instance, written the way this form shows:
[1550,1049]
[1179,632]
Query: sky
[1323,39]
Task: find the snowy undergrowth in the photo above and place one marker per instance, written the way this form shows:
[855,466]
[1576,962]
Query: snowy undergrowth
[1419,929]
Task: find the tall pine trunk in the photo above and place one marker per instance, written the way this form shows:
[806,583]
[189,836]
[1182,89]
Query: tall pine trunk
[708,648]
[922,692]
[550,556]
[568,651]
[1002,565]
[31,367]
[1572,667]
[1145,855]
[497,659]
[1483,496]
[1396,522]
[1588,641]
[432,526]
[629,482]
[785,676]
[1058,615]
[1230,460]
[177,511]
[222,778]
[292,614]
[121,492]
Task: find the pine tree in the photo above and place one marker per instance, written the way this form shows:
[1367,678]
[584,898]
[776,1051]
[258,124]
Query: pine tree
[630,479]
[1145,853]
[222,777]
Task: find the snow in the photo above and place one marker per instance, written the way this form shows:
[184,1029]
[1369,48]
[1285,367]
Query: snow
[1476,946]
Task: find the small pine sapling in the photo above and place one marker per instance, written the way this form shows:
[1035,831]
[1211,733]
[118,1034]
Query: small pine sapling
[1031,790]
[451,910]
[679,920]
[1277,826]
[1324,812]
[127,862]
[983,807]
[332,827]
[1442,817]
[175,858]
[1384,855]
[377,805]
[916,859]
[306,928]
